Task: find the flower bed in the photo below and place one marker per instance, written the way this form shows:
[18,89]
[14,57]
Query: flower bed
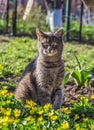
[13,115]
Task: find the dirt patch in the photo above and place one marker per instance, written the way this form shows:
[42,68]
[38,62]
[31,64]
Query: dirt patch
[73,92]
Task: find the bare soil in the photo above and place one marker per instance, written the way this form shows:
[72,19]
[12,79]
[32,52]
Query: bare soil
[74,92]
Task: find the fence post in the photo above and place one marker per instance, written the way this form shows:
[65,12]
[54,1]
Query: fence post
[7,16]
[68,8]
[81,22]
[14,20]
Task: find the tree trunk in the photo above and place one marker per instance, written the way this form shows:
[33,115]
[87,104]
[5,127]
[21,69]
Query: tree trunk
[28,8]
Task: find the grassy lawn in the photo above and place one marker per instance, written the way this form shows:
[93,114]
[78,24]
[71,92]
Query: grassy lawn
[15,54]
[84,52]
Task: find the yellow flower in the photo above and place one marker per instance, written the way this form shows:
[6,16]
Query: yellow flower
[85,119]
[47,106]
[65,125]
[8,112]
[33,110]
[53,118]
[16,120]
[40,119]
[77,127]
[84,98]
[40,112]
[4,87]
[11,119]
[10,94]
[1,120]
[7,101]
[66,110]
[5,120]
[30,103]
[92,127]
[2,109]
[50,114]
[3,92]
[29,118]
[92,96]
[76,116]
[27,106]
[0,126]
[1,66]
[17,112]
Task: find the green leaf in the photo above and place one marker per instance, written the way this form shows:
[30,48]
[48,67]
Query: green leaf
[2,103]
[77,76]
[85,74]
[68,69]
[84,77]
[83,125]
[5,128]
[91,71]
[66,78]
[78,62]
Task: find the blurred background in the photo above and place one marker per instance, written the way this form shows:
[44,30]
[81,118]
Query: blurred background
[22,17]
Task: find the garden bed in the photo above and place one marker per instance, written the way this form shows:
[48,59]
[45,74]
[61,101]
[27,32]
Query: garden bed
[77,112]
[73,93]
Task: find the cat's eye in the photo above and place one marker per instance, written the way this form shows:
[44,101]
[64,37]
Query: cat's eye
[54,43]
[45,43]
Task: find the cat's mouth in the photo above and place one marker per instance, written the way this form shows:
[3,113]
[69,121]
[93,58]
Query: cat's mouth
[51,53]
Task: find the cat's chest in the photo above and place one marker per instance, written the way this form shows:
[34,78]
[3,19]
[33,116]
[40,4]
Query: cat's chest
[47,76]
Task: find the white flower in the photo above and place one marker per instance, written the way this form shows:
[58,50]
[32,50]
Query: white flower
[24,122]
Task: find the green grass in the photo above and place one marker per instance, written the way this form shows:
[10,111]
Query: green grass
[84,52]
[16,53]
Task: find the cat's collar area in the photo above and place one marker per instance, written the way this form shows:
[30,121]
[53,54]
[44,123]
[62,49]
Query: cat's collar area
[51,64]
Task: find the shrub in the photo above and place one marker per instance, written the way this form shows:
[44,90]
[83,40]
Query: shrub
[35,19]
[87,32]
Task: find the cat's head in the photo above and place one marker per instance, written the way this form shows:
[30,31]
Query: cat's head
[50,44]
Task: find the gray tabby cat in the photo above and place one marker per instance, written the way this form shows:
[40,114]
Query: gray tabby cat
[42,78]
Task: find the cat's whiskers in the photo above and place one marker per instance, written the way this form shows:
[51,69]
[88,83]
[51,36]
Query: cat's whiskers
[51,53]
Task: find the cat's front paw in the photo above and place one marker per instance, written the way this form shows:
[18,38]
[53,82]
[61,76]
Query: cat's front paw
[56,106]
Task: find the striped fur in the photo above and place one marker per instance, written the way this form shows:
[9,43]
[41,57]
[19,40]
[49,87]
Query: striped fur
[42,78]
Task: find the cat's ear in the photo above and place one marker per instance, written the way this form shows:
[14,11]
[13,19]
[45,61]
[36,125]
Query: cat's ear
[39,33]
[60,33]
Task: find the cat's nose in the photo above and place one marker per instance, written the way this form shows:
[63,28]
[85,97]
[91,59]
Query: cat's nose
[49,49]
